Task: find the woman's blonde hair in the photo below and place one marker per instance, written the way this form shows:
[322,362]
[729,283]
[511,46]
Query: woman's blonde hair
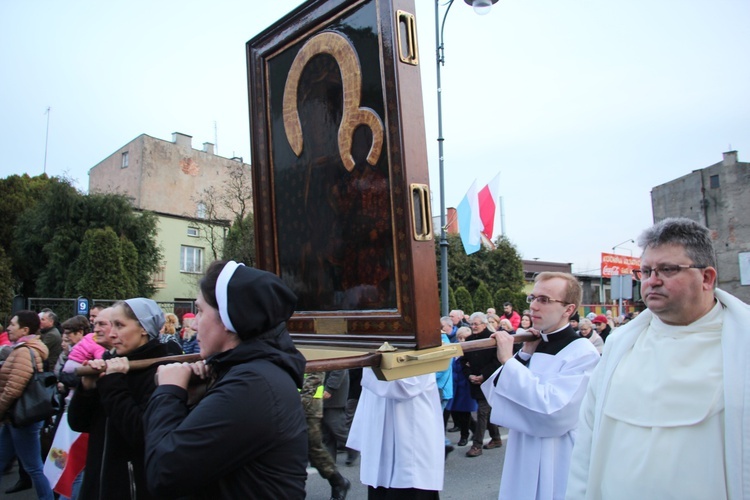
[462,333]
[508,325]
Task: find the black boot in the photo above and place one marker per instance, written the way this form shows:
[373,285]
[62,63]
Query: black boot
[20,485]
[351,457]
[339,486]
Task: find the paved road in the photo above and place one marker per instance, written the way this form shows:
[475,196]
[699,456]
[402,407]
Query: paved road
[8,480]
[465,478]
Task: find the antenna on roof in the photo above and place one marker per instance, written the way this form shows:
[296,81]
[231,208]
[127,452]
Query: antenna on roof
[46,138]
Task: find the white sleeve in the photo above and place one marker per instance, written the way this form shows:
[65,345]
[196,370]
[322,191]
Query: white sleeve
[545,406]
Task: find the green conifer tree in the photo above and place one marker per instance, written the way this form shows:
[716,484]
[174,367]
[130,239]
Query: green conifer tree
[99,266]
[483,298]
[451,299]
[464,300]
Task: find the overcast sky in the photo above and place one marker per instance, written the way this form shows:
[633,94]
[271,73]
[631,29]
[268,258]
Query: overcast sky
[582,105]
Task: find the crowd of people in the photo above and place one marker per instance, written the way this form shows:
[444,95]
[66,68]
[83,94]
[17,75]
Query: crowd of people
[102,341]
[237,431]
[595,407]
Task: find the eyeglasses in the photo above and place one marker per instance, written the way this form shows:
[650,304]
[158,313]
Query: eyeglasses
[476,324]
[542,299]
[663,271]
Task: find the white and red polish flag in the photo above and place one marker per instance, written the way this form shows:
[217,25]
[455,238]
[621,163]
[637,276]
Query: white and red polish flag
[66,458]
[479,215]
[489,207]
[469,221]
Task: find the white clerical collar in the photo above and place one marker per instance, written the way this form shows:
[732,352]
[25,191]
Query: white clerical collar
[545,335]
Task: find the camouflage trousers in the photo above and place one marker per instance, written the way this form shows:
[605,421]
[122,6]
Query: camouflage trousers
[316,452]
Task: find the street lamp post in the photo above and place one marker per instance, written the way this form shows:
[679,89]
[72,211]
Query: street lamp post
[621,244]
[481,7]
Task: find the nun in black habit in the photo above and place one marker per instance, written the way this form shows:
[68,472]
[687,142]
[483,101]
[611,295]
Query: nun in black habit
[247,436]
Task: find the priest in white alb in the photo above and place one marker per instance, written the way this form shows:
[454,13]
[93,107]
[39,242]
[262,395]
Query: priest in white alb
[666,414]
[537,392]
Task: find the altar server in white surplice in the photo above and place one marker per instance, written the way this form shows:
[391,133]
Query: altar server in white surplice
[537,393]
[398,428]
[666,414]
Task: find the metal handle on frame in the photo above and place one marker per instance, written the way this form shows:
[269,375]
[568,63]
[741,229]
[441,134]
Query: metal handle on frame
[420,212]
[407,38]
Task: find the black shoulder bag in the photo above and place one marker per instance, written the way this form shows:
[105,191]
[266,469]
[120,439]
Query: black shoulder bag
[39,399]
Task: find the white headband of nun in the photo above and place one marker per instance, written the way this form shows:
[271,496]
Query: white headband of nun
[222,283]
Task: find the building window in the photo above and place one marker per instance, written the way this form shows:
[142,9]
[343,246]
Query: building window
[193,232]
[124,160]
[191,259]
[200,210]
[715,181]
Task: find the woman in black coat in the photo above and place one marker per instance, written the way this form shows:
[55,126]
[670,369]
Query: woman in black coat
[247,437]
[110,406]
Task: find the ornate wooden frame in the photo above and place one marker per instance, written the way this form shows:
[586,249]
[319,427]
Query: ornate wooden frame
[340,177]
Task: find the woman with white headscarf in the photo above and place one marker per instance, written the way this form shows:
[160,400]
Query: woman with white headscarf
[110,406]
[247,437]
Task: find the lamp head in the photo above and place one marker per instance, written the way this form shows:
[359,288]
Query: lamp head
[481,7]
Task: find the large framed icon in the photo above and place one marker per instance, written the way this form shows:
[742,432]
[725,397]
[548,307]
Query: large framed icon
[340,177]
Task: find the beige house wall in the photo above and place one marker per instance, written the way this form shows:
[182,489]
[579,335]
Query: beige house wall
[170,179]
[166,177]
[173,283]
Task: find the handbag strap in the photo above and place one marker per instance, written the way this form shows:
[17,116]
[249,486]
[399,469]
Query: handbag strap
[33,360]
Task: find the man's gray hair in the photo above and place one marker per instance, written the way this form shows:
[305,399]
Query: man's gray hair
[480,316]
[693,236]
[49,314]
[446,319]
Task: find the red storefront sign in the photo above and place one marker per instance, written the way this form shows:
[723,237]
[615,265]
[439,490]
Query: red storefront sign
[619,264]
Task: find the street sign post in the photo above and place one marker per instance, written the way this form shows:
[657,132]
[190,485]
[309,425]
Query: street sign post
[82,306]
[622,288]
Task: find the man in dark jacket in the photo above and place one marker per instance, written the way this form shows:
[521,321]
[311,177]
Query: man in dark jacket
[457,317]
[477,367]
[50,335]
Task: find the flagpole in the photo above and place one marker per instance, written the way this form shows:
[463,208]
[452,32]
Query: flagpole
[46,138]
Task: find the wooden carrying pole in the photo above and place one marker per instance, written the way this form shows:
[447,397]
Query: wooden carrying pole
[318,365]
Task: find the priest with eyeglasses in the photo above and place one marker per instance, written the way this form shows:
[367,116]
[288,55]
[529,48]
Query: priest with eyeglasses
[537,392]
[667,414]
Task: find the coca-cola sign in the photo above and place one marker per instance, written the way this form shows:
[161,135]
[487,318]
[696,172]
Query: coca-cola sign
[613,264]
